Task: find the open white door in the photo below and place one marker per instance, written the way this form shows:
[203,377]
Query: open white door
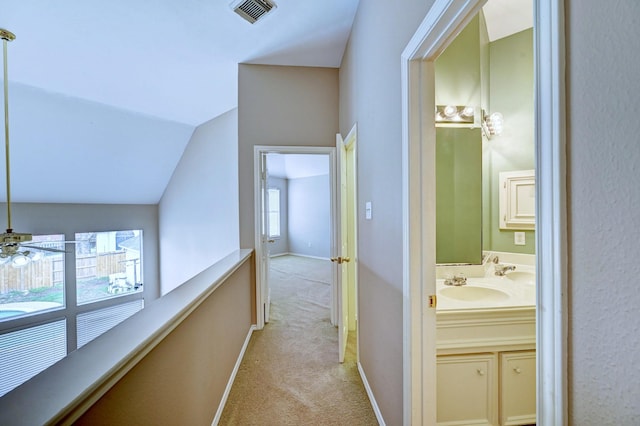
[342,259]
[264,236]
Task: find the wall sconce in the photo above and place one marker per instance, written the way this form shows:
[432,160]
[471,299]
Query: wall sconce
[492,124]
[455,114]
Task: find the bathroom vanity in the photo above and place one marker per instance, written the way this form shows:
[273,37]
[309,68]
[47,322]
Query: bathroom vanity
[486,365]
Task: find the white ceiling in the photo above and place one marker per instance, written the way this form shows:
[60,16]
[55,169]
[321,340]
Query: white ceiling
[295,166]
[175,60]
[104,96]
[506,17]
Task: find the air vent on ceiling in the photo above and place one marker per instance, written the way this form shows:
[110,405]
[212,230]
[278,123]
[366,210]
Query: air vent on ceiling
[252,10]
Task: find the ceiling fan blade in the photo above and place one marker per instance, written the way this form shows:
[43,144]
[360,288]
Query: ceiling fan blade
[44,249]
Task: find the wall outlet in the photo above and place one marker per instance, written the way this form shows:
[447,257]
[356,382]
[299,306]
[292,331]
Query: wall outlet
[519,239]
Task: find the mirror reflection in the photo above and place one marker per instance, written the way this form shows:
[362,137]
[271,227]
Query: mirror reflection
[496,80]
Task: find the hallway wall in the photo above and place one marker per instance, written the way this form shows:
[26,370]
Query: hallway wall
[370,95]
[603,97]
[281,106]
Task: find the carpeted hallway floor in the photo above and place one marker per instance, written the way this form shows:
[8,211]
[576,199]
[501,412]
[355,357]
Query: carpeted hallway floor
[290,373]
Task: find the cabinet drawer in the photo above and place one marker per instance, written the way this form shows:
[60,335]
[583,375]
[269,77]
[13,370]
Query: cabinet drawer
[518,388]
[466,389]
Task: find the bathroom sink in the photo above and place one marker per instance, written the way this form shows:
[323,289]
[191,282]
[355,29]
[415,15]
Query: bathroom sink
[471,293]
[522,276]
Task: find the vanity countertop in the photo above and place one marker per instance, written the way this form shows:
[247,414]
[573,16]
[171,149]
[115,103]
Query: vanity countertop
[516,289]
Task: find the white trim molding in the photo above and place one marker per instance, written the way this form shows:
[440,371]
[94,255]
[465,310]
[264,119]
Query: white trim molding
[443,22]
[232,378]
[551,212]
[372,399]
[258,150]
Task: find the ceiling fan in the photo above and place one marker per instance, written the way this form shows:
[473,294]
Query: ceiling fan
[12,244]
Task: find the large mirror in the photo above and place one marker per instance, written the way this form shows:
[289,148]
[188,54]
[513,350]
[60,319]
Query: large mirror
[490,75]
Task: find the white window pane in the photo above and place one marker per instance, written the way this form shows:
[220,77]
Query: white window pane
[94,323]
[274,212]
[108,264]
[274,224]
[25,353]
[38,284]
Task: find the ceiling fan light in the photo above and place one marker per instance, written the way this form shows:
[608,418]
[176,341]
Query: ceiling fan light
[19,260]
[34,256]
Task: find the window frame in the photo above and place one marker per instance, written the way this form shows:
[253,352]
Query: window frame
[278,212]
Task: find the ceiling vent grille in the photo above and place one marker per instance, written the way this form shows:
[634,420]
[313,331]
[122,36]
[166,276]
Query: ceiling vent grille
[252,10]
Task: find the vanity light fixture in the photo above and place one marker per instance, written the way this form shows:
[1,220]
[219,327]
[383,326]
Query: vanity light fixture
[492,124]
[454,114]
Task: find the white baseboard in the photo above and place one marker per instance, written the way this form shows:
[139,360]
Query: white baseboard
[307,255]
[372,399]
[279,254]
[236,367]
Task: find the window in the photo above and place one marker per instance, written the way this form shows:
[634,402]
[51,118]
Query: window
[107,281]
[25,353]
[37,285]
[274,212]
[108,264]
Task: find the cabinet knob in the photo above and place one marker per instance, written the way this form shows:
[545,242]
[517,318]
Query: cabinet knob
[517,370]
[480,372]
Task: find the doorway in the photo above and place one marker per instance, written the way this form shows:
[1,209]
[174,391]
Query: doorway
[305,184]
[446,19]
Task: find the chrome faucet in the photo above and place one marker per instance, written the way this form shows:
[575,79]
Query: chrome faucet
[502,269]
[457,280]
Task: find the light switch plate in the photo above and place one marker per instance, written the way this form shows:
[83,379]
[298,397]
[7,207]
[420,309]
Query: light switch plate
[519,239]
[367,210]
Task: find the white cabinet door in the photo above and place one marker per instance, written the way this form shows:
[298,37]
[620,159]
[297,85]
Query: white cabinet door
[518,388]
[467,390]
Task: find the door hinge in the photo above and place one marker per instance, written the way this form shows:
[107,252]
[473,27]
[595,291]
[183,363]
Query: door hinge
[433,301]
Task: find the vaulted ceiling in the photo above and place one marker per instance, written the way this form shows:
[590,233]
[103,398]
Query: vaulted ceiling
[104,96]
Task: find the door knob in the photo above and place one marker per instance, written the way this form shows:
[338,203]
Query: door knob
[271,241]
[340,260]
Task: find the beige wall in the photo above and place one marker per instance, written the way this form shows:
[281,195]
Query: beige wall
[182,380]
[285,106]
[603,98]
[370,95]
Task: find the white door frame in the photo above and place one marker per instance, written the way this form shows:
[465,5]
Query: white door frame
[443,22]
[258,150]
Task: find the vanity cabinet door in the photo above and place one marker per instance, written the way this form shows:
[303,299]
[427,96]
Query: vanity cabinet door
[467,390]
[518,388]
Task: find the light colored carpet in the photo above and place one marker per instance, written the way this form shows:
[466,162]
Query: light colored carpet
[290,373]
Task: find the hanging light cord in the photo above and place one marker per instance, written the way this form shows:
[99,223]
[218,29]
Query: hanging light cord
[6,36]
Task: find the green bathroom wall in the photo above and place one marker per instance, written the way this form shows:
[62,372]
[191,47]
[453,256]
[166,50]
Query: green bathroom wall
[511,93]
[457,75]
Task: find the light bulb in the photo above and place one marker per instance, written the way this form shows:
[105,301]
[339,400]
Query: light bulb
[467,112]
[35,255]
[496,122]
[19,259]
[450,111]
